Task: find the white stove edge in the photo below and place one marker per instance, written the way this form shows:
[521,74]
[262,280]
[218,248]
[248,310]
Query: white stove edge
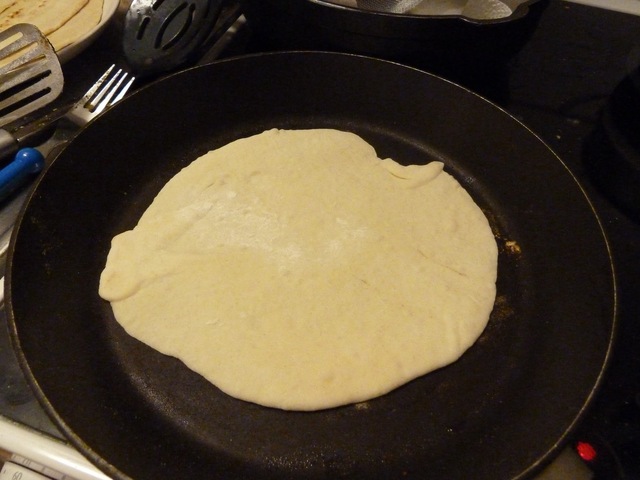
[625,6]
[58,460]
[48,455]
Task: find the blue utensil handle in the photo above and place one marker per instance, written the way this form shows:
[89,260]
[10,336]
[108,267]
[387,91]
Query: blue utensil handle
[27,162]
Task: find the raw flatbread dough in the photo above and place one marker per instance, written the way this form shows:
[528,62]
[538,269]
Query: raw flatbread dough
[296,270]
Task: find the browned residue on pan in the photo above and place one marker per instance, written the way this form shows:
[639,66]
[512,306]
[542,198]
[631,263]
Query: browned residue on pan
[502,309]
[511,246]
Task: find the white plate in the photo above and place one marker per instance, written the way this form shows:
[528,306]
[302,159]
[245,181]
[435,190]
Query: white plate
[109,8]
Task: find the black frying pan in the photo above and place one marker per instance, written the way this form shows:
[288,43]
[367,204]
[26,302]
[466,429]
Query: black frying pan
[500,412]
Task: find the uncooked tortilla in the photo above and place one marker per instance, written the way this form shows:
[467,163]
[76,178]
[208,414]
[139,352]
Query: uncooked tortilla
[296,270]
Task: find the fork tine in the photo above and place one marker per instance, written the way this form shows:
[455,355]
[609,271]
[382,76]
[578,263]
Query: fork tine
[123,91]
[102,94]
[104,90]
[94,88]
[109,90]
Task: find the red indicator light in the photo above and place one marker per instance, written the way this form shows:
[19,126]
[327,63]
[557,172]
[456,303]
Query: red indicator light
[586,451]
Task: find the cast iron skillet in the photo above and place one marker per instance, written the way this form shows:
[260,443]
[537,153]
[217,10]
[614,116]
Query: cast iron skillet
[500,412]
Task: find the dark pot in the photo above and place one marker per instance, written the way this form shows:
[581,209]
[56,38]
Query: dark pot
[432,41]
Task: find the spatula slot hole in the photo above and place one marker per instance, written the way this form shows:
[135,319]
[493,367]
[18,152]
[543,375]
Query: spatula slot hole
[12,39]
[23,102]
[143,27]
[24,85]
[183,17]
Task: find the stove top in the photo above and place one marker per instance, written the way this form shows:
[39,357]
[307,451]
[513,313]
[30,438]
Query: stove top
[16,400]
[559,85]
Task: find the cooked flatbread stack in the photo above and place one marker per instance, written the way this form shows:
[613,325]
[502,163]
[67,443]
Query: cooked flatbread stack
[62,22]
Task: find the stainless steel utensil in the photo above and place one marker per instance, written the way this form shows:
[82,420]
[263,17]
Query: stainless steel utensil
[390,6]
[31,133]
[108,90]
[161,35]
[30,72]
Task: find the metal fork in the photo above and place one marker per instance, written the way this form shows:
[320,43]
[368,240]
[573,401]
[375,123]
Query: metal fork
[108,90]
[100,96]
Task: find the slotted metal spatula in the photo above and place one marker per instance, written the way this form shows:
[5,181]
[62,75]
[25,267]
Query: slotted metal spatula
[162,35]
[388,6]
[30,72]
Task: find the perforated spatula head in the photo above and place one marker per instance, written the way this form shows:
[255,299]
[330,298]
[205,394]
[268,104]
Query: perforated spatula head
[161,35]
[30,72]
[388,6]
